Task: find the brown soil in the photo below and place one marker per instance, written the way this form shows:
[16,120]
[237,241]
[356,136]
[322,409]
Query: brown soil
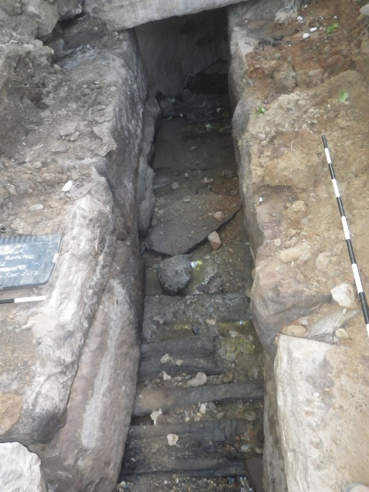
[316,61]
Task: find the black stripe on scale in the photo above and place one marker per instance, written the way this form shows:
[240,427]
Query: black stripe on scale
[364,306]
[355,269]
[351,251]
[340,207]
[331,169]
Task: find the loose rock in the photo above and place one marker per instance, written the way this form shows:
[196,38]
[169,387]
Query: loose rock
[202,408]
[199,380]
[294,330]
[155,415]
[68,185]
[36,207]
[342,334]
[219,216]
[166,377]
[214,240]
[344,295]
[20,469]
[175,273]
[165,359]
[172,439]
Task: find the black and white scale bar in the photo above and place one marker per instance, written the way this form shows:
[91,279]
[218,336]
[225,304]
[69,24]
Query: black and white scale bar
[359,286]
[22,299]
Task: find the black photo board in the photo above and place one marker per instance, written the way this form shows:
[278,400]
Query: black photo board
[27,261]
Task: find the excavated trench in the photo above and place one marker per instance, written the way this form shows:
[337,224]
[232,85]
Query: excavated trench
[79,129]
[198,416]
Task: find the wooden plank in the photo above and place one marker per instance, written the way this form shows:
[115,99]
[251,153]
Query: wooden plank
[152,369]
[197,354]
[169,398]
[202,447]
[144,481]
[180,348]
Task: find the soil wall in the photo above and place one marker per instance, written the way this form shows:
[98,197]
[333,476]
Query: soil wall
[297,76]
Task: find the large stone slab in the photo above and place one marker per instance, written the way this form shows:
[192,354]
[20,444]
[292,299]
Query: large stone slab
[322,393]
[122,14]
[41,342]
[20,470]
[179,226]
[103,391]
[145,199]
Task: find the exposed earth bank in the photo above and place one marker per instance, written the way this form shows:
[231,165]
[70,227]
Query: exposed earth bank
[305,77]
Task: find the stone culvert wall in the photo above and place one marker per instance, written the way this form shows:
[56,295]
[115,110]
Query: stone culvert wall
[69,364]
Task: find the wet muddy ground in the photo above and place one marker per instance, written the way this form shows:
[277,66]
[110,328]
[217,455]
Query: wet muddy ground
[206,328]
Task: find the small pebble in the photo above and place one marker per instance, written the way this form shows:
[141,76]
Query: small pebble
[187,199]
[67,186]
[305,35]
[166,377]
[36,207]
[199,380]
[175,185]
[342,334]
[203,408]
[165,359]
[195,329]
[227,378]
[219,216]
[214,240]
[172,439]
[155,415]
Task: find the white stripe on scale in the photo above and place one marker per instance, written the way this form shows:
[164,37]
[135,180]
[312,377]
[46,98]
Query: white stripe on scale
[336,190]
[357,278]
[345,227]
